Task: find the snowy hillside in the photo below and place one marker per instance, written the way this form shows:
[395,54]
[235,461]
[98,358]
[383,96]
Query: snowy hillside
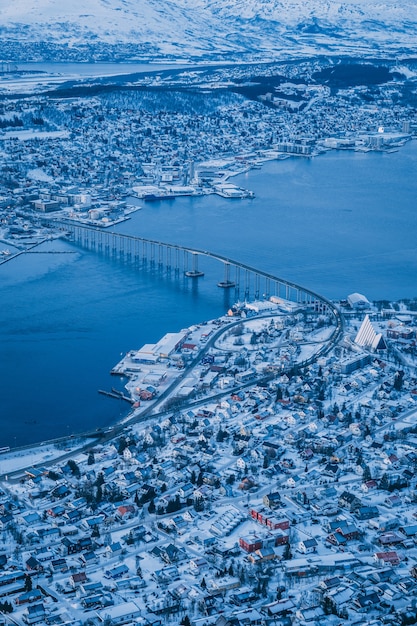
[216,27]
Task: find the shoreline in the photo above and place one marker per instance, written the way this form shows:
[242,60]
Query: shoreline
[52,449]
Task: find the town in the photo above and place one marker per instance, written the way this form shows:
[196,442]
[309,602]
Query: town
[266,474]
[86,150]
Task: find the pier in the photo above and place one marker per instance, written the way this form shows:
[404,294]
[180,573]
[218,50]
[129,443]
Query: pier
[247,282]
[118,395]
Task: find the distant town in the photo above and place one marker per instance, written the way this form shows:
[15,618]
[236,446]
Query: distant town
[82,149]
[266,470]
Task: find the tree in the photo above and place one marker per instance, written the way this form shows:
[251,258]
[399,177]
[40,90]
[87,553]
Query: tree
[185,621]
[174,505]
[384,483]
[238,330]
[28,583]
[122,445]
[75,470]
[100,479]
[398,380]
[198,505]
[366,473]
[200,479]
[99,494]
[220,435]
[91,459]
[287,555]
[6,607]
[151,507]
[329,606]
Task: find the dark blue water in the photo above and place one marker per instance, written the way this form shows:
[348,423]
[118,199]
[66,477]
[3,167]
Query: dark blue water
[95,69]
[339,223]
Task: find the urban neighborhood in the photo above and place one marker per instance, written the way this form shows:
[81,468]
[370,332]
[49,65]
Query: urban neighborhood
[264,475]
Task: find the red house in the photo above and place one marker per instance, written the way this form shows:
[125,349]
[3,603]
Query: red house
[250,544]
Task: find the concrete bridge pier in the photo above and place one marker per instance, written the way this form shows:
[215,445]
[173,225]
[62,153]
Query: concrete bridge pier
[247,284]
[194,272]
[257,286]
[226,283]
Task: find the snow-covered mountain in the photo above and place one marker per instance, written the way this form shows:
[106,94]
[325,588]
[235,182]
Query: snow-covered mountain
[196,28]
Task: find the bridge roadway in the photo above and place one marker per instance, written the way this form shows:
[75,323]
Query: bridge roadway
[177,257]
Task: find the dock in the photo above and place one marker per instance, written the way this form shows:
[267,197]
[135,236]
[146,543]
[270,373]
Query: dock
[118,395]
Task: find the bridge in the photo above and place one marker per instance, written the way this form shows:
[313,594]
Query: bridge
[247,282]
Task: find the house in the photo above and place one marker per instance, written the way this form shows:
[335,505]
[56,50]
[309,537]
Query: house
[366,600]
[89,558]
[56,511]
[73,515]
[170,553]
[90,523]
[167,574]
[117,572]
[311,614]
[349,501]
[197,565]
[340,595]
[369,485]
[293,481]
[280,607]
[264,517]
[387,558]
[124,613]
[367,512]
[125,511]
[30,519]
[307,546]
[34,614]
[251,543]
[60,491]
[77,579]
[409,531]
[393,501]
[389,538]
[29,596]
[272,500]
[332,470]
[58,565]
[114,549]
[33,565]
[186,491]
[219,585]
[343,532]
[263,554]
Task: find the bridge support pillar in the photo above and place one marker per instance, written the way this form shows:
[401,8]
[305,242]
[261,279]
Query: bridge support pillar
[194,272]
[226,283]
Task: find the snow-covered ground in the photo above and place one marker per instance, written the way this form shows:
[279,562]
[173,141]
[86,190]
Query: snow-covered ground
[206,27]
[24,458]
